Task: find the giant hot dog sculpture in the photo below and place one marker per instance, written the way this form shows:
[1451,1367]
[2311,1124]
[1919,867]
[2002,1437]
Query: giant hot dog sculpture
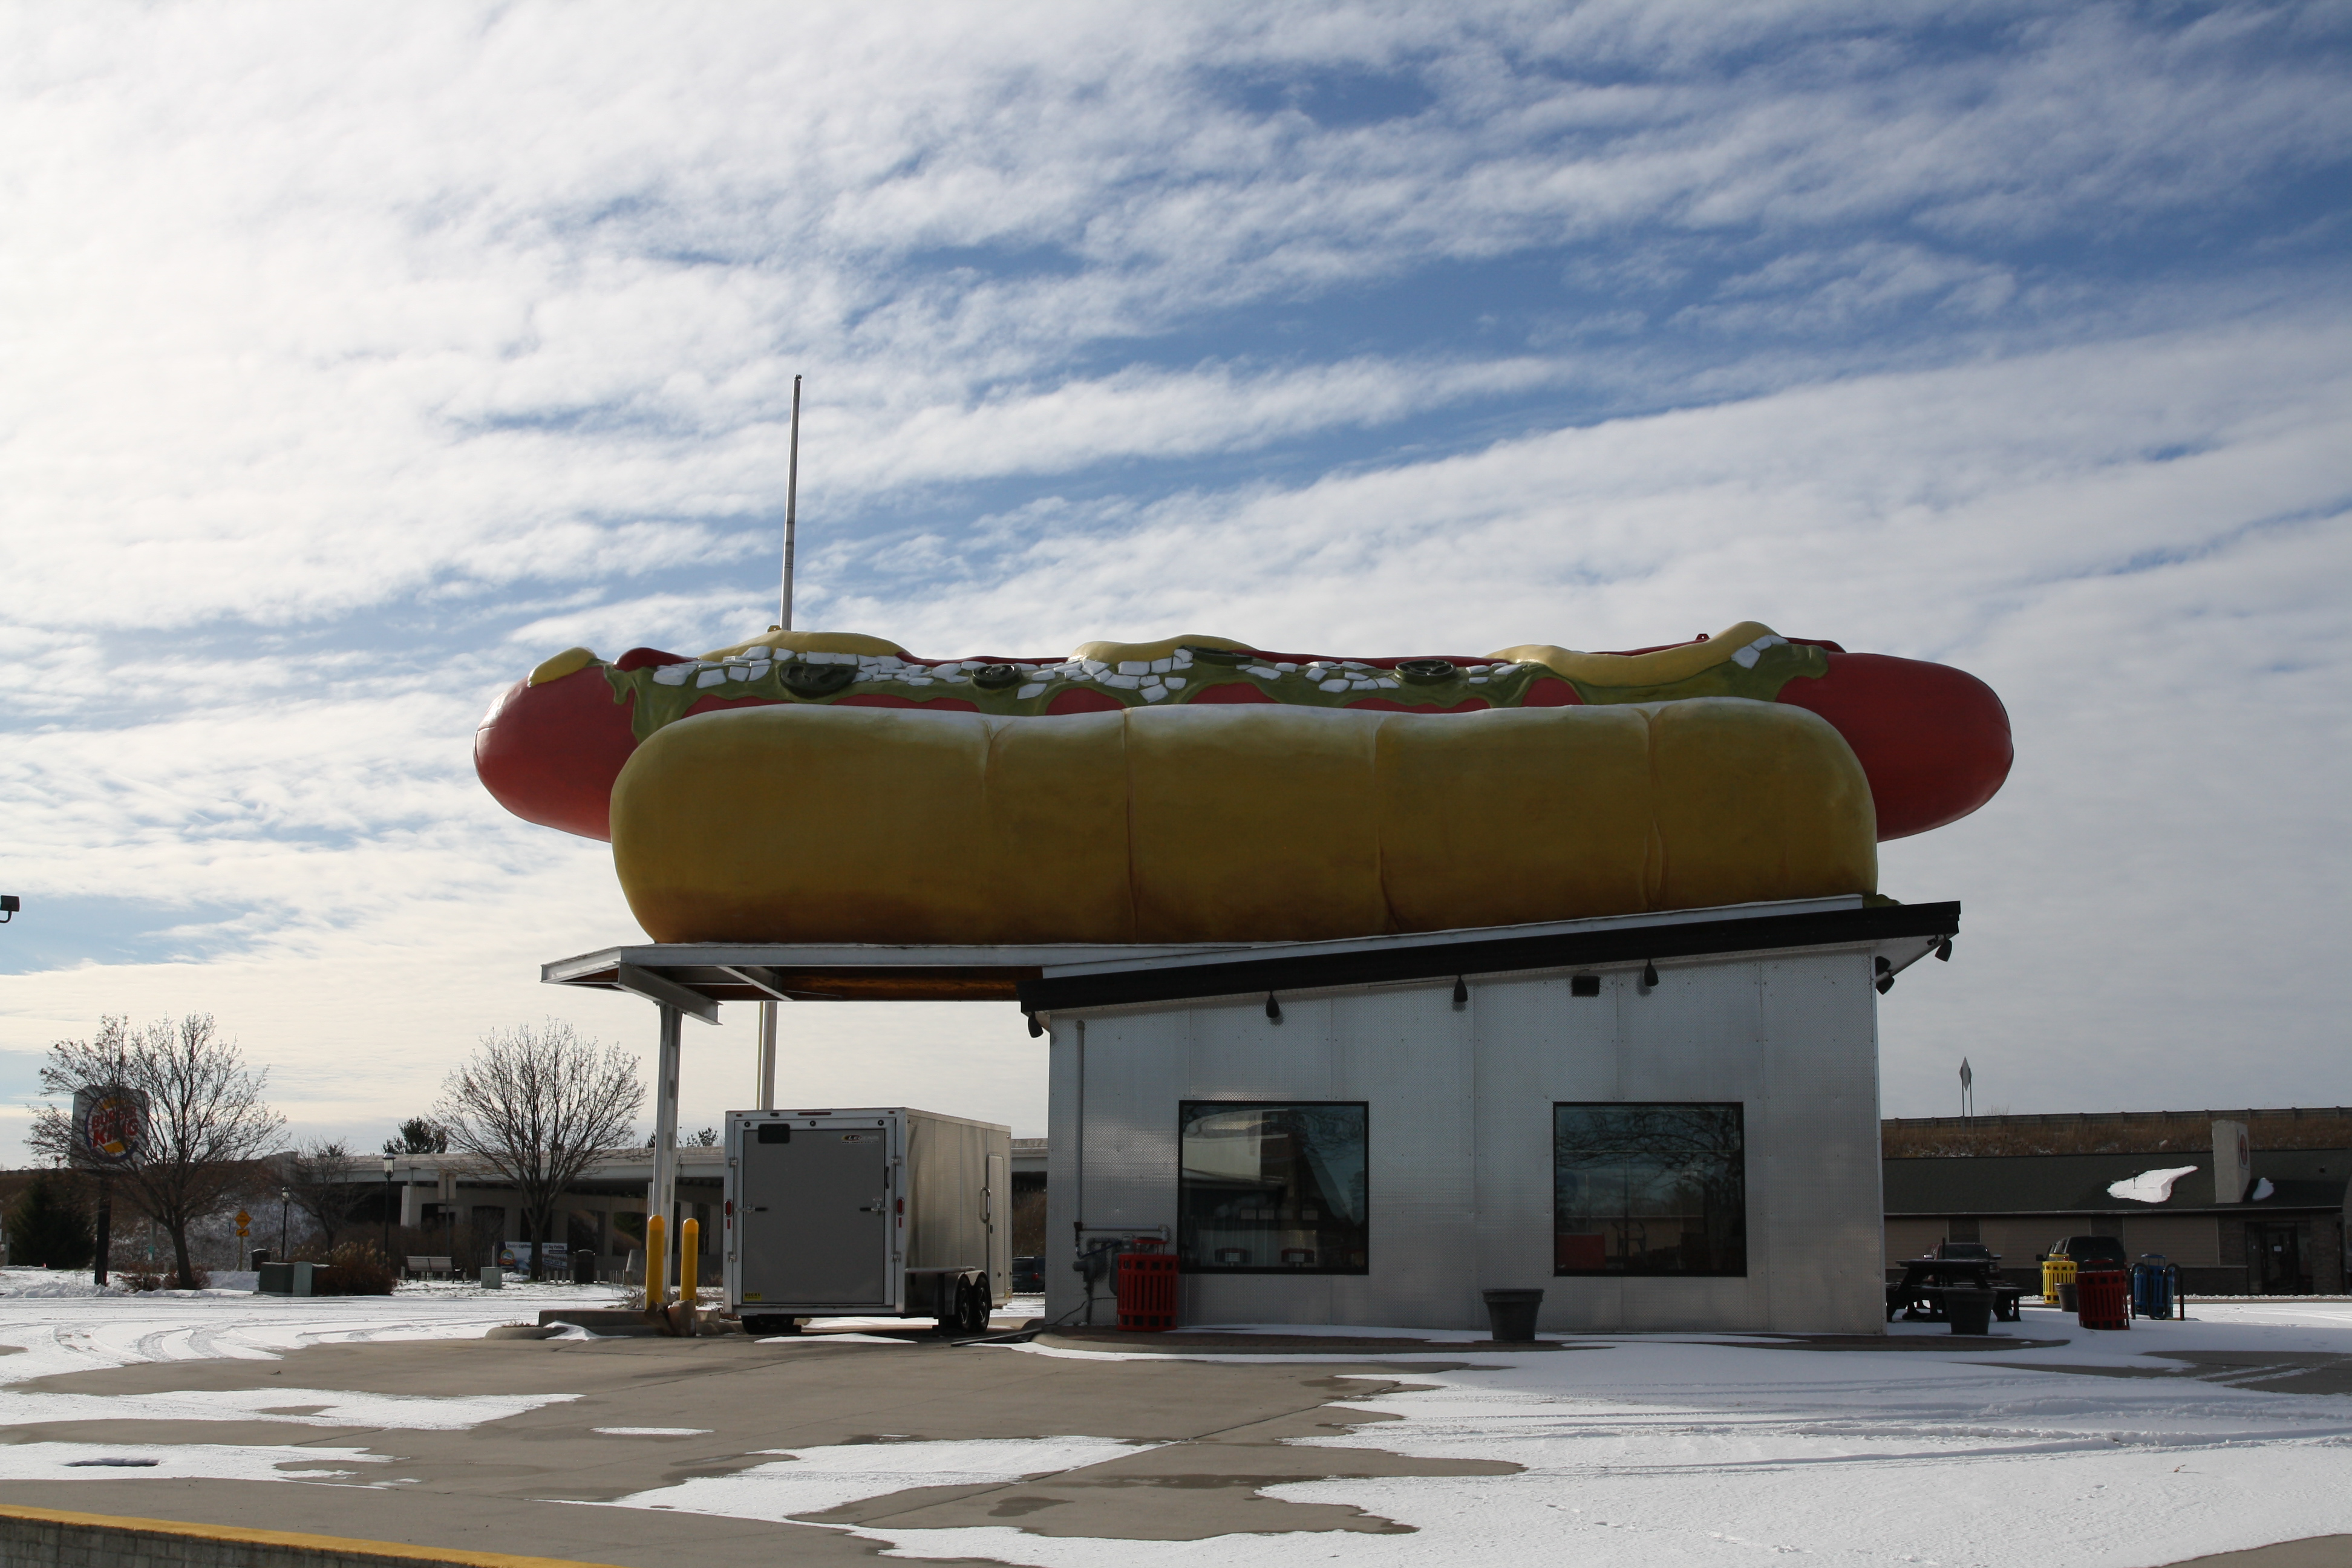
[827,786]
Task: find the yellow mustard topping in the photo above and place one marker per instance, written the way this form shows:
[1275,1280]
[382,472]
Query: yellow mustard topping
[1662,667]
[1144,652]
[813,642]
[562,665]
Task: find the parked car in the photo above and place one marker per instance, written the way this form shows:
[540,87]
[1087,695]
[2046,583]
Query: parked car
[1949,1250]
[1029,1276]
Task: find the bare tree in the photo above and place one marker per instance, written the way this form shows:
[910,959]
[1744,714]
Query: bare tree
[205,1117]
[321,1179]
[539,1106]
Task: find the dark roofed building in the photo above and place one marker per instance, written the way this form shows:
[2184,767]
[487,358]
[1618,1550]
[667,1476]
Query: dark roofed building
[2274,1226]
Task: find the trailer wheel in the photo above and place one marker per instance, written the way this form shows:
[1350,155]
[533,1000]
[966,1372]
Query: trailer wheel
[976,1319]
[963,1311]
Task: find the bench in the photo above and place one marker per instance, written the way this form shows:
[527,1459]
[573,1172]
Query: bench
[1925,1279]
[419,1267]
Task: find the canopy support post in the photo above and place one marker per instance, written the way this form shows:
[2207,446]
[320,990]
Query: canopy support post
[661,1193]
[767,1098]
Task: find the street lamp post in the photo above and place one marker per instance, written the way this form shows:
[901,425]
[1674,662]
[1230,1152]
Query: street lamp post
[285,1208]
[387,1211]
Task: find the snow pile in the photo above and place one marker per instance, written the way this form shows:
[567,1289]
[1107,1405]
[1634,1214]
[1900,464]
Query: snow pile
[2148,1186]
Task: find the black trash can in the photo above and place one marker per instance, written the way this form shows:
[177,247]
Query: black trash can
[584,1266]
[1511,1315]
[1969,1309]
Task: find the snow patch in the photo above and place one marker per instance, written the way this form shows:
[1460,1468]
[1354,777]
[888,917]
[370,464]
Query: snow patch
[810,1480]
[62,1324]
[2149,1186]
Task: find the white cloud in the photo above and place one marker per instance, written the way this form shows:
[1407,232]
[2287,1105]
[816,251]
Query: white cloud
[319,315]
[359,358]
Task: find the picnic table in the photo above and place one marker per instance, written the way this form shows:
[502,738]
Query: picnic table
[1925,1279]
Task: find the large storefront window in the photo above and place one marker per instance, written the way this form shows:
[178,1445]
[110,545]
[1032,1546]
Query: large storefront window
[1648,1189]
[1272,1189]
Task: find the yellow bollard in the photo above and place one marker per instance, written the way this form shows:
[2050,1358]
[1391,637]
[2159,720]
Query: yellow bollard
[657,1255]
[690,1255]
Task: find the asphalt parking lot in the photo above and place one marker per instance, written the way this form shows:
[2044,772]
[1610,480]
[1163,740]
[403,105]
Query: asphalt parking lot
[1215,1433]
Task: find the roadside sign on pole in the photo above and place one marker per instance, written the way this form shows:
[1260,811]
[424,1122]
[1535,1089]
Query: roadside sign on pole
[243,1219]
[109,1123]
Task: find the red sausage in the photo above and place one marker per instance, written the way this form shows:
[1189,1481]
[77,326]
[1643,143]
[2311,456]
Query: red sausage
[1933,740]
[550,754]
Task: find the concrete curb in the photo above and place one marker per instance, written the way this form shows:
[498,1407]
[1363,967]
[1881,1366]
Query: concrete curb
[57,1537]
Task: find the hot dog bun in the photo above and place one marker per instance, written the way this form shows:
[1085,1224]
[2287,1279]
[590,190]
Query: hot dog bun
[802,823]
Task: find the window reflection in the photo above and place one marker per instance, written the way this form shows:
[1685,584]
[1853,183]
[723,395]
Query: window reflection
[1272,1189]
[1649,1189]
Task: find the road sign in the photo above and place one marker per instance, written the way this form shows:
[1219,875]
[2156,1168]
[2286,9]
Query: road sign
[243,1219]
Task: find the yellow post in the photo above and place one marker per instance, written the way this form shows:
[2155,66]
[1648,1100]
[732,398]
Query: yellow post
[657,1255]
[689,1256]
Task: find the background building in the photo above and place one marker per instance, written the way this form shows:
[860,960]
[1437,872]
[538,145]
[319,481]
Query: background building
[2019,1182]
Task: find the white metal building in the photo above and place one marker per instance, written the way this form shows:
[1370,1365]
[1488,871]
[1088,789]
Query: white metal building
[1372,1133]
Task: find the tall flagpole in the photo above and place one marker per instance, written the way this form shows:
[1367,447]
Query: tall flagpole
[791,508]
[767,1068]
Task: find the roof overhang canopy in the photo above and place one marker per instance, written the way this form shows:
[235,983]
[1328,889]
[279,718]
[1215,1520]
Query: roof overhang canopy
[694,977]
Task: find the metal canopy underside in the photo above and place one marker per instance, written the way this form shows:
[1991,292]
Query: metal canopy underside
[698,975]
[694,977]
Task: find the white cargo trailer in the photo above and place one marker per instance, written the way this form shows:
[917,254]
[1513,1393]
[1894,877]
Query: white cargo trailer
[887,1212]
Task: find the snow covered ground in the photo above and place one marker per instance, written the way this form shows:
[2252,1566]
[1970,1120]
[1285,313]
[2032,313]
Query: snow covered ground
[58,1323]
[1659,1451]
[1663,1451]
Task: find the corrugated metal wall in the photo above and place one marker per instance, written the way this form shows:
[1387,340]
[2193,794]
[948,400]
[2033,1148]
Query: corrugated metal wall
[1460,1135]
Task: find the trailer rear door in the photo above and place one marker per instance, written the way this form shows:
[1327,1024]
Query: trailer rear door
[816,1214]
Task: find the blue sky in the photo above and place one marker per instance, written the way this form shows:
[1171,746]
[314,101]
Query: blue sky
[359,359]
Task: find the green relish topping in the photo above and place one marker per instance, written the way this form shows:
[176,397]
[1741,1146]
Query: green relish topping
[661,694]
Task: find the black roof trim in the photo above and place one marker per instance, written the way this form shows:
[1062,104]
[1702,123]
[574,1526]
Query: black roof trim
[1435,960]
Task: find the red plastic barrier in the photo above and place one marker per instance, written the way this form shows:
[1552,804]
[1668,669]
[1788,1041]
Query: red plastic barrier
[2103,1297]
[1146,1287]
